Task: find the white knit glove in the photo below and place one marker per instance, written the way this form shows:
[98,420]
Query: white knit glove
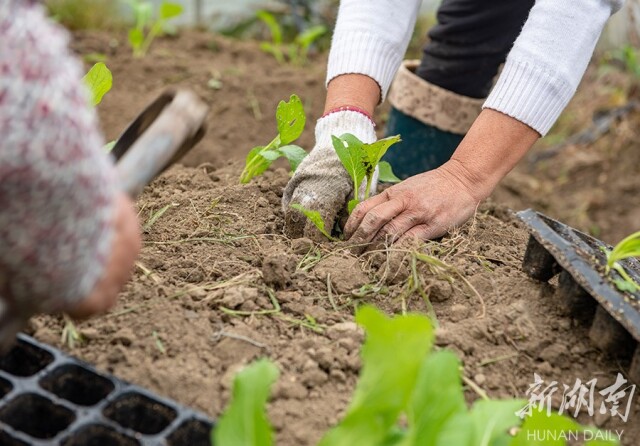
[321,183]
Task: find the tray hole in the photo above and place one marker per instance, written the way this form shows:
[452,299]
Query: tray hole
[192,432]
[97,435]
[77,384]
[140,413]
[5,387]
[37,416]
[25,359]
[8,440]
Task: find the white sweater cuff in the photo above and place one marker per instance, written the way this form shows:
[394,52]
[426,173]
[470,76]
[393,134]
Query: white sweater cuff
[361,52]
[339,123]
[530,94]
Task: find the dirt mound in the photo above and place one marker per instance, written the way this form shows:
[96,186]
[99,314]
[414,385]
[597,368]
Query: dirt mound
[218,285]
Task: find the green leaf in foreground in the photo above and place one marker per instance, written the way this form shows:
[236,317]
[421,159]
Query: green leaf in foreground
[386,174]
[437,397]
[291,119]
[314,217]
[392,355]
[99,80]
[245,423]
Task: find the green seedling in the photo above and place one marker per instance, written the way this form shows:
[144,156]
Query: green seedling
[298,50]
[99,80]
[291,120]
[146,29]
[361,160]
[70,337]
[407,395]
[627,248]
[245,421]
[315,218]
[275,46]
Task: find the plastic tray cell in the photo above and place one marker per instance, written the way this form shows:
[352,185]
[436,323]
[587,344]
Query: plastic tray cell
[583,291]
[50,398]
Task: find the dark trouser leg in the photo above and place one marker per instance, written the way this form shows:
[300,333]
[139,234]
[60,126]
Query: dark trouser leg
[466,48]
[470,41]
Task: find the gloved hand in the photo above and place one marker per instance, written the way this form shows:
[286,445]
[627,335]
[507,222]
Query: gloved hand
[321,183]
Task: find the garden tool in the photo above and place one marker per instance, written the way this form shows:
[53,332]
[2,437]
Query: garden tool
[162,134]
[431,120]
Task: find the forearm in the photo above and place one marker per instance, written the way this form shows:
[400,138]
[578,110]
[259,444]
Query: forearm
[371,38]
[492,147]
[549,59]
[352,90]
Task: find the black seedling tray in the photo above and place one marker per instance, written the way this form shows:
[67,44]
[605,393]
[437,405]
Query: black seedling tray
[49,398]
[583,291]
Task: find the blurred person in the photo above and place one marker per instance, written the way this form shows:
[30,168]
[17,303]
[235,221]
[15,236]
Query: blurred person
[460,136]
[68,236]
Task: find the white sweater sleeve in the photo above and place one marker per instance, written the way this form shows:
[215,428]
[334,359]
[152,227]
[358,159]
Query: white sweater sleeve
[549,59]
[371,38]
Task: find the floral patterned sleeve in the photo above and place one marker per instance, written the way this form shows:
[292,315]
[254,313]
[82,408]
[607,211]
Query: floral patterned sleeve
[57,186]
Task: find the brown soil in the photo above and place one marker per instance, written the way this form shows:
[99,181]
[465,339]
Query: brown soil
[220,245]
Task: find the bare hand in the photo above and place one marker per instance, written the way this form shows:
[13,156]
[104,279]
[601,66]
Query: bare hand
[423,207]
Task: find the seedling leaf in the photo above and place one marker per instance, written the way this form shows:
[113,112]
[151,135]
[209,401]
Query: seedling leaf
[306,38]
[136,38]
[274,27]
[349,150]
[375,151]
[245,420]
[385,173]
[255,164]
[385,385]
[437,397]
[314,217]
[291,119]
[169,10]
[99,80]
[352,205]
[294,155]
[270,155]
[108,147]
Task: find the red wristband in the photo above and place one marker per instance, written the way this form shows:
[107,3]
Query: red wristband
[351,108]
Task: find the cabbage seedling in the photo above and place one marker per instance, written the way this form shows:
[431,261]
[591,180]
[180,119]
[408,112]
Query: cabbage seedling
[143,12]
[290,119]
[627,248]
[99,81]
[361,160]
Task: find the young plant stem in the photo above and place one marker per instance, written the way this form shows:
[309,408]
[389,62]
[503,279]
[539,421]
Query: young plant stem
[274,144]
[368,189]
